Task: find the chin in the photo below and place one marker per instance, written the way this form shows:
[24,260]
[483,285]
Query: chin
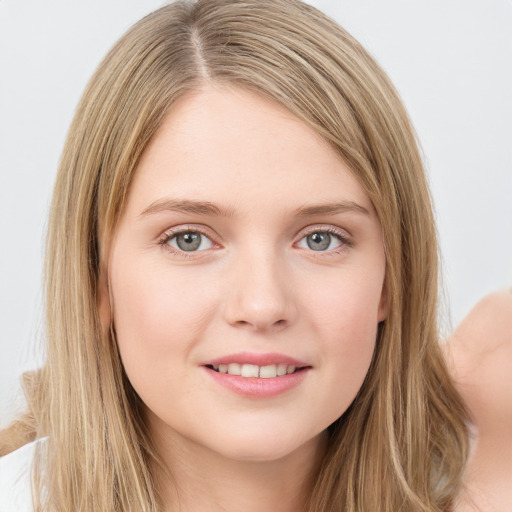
[265,446]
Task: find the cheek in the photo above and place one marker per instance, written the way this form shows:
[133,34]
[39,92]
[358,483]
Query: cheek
[346,305]
[158,318]
[345,319]
[348,343]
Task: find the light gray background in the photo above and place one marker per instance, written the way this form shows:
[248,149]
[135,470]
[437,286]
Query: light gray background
[450,59]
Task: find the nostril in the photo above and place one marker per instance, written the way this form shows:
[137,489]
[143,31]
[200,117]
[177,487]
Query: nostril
[261,325]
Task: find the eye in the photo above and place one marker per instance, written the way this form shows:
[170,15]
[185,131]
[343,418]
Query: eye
[189,241]
[323,240]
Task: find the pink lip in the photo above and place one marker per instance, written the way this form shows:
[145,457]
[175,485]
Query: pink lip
[257,359]
[254,387]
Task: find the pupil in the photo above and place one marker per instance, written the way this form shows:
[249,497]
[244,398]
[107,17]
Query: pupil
[318,241]
[188,241]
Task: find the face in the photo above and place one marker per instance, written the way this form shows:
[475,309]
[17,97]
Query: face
[246,277]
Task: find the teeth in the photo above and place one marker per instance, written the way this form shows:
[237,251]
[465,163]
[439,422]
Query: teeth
[290,369]
[234,369]
[251,370]
[268,372]
[281,369]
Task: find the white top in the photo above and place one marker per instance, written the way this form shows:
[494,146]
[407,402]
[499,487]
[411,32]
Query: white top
[15,479]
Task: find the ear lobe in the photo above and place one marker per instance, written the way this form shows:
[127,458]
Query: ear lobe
[103,300]
[383,310]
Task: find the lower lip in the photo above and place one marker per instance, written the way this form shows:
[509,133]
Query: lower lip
[254,387]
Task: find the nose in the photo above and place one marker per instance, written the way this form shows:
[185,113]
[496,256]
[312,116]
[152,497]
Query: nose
[260,296]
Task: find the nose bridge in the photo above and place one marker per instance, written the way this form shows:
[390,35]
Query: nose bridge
[259,296]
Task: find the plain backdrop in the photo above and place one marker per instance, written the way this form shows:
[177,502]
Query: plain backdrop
[451,61]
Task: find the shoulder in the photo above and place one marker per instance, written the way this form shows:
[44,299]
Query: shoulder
[15,479]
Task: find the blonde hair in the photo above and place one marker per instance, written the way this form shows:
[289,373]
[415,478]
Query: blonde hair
[402,444]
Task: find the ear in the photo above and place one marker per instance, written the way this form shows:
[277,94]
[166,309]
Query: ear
[383,310]
[103,299]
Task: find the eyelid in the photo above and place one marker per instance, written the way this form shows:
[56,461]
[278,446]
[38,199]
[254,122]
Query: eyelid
[322,228]
[343,235]
[170,233]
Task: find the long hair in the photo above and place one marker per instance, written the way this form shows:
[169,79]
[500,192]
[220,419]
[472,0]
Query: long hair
[402,444]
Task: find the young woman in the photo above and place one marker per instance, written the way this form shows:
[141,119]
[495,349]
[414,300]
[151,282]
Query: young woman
[241,280]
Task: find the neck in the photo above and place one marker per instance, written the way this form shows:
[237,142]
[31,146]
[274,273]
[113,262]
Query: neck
[200,480]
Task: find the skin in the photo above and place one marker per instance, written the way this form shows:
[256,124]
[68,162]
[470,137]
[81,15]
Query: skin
[479,355]
[254,286]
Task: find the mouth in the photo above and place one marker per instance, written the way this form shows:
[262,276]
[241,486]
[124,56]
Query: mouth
[257,376]
[270,371]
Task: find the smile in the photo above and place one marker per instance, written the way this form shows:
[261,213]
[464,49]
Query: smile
[257,376]
[252,370]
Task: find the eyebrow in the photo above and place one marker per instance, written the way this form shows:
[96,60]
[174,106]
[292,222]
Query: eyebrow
[187,206]
[331,209]
[211,209]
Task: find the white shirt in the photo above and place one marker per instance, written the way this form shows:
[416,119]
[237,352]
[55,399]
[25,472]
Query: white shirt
[15,479]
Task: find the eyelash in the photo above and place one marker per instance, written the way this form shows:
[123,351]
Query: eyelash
[346,241]
[169,235]
[343,237]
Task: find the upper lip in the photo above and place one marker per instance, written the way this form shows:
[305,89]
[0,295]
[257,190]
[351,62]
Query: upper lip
[256,359]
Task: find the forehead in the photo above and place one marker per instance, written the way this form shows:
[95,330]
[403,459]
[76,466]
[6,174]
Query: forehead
[241,149]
